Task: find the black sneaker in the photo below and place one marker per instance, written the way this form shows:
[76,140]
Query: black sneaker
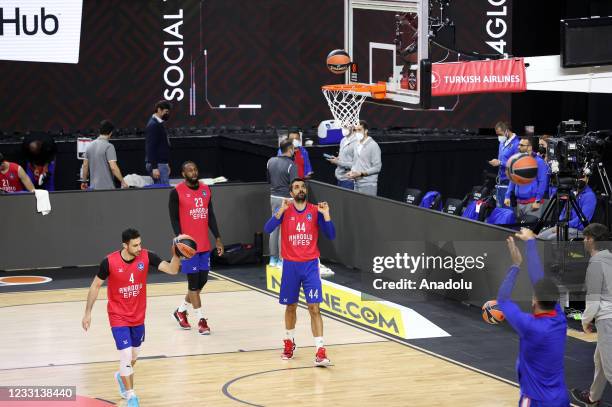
[583,398]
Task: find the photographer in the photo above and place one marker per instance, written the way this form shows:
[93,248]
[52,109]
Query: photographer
[586,202]
[598,311]
[508,146]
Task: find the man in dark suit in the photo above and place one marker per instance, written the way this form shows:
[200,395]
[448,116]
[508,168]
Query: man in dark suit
[157,147]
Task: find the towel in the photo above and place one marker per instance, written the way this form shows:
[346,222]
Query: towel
[43,205]
[137,181]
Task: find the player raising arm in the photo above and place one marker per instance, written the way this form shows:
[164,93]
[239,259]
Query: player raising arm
[300,222]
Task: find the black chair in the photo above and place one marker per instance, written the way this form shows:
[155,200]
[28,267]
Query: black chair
[413,196]
[453,206]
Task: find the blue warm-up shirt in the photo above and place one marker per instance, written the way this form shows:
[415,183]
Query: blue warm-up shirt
[506,150]
[536,189]
[587,201]
[542,338]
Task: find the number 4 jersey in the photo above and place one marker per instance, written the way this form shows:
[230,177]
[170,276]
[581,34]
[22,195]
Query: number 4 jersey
[127,287]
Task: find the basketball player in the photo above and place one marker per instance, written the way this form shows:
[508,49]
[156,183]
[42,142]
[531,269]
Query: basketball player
[191,212]
[542,333]
[127,270]
[13,178]
[300,222]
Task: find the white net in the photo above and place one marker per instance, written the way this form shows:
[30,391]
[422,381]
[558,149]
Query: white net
[345,105]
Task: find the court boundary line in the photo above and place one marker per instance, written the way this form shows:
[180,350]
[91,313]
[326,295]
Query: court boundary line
[384,335]
[159,357]
[105,299]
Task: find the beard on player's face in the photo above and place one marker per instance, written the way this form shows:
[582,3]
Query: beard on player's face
[191,177]
[300,196]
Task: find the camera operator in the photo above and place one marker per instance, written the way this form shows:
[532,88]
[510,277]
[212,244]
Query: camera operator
[598,311]
[586,202]
[529,197]
[508,146]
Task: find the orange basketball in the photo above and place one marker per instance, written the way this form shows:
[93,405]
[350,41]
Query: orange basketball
[338,61]
[491,313]
[522,168]
[185,246]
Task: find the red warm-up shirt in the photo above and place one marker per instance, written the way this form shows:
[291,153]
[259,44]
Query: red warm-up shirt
[300,234]
[10,181]
[193,213]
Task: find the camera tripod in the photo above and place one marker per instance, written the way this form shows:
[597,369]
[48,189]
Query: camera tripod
[553,207]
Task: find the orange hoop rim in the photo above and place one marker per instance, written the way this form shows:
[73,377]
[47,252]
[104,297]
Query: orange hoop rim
[377,91]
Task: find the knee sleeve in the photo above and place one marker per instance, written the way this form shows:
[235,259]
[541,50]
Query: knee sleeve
[135,352]
[125,362]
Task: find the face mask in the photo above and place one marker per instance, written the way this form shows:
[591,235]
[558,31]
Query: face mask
[360,135]
[501,138]
[542,150]
[165,116]
[297,143]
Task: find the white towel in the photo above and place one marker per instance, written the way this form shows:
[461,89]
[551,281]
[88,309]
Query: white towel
[137,181]
[43,205]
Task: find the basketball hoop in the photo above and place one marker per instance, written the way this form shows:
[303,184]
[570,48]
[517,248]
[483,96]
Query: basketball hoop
[345,100]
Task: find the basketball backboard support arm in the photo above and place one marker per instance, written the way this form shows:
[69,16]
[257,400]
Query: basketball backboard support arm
[396,93]
[545,73]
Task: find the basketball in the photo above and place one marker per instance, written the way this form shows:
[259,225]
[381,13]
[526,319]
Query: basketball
[185,246]
[522,168]
[491,313]
[338,61]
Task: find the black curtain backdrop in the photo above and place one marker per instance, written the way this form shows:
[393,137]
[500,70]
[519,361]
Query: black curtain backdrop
[268,52]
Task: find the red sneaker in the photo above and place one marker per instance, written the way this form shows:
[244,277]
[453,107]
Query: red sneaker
[321,358]
[181,318]
[203,328]
[289,349]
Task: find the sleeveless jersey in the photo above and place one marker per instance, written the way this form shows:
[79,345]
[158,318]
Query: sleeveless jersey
[300,234]
[10,181]
[193,213]
[127,289]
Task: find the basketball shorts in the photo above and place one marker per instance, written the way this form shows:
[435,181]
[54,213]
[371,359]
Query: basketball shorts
[298,274]
[197,281]
[128,336]
[200,261]
[525,401]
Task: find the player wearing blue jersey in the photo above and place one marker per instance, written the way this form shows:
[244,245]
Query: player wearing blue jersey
[542,333]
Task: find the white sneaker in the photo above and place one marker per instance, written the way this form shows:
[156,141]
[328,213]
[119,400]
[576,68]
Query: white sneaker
[325,271]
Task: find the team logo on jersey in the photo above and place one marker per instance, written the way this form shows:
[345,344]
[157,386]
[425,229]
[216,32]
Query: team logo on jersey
[309,217]
[120,270]
[141,266]
[292,218]
[188,195]
[203,193]
[11,176]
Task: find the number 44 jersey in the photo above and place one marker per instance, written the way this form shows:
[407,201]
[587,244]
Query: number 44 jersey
[300,233]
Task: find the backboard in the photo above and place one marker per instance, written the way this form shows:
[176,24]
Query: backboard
[387,40]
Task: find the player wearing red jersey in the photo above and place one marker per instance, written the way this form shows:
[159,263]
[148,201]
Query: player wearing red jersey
[300,222]
[191,213]
[126,271]
[13,178]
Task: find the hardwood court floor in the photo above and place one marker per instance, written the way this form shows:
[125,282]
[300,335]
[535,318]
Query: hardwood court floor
[239,363]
